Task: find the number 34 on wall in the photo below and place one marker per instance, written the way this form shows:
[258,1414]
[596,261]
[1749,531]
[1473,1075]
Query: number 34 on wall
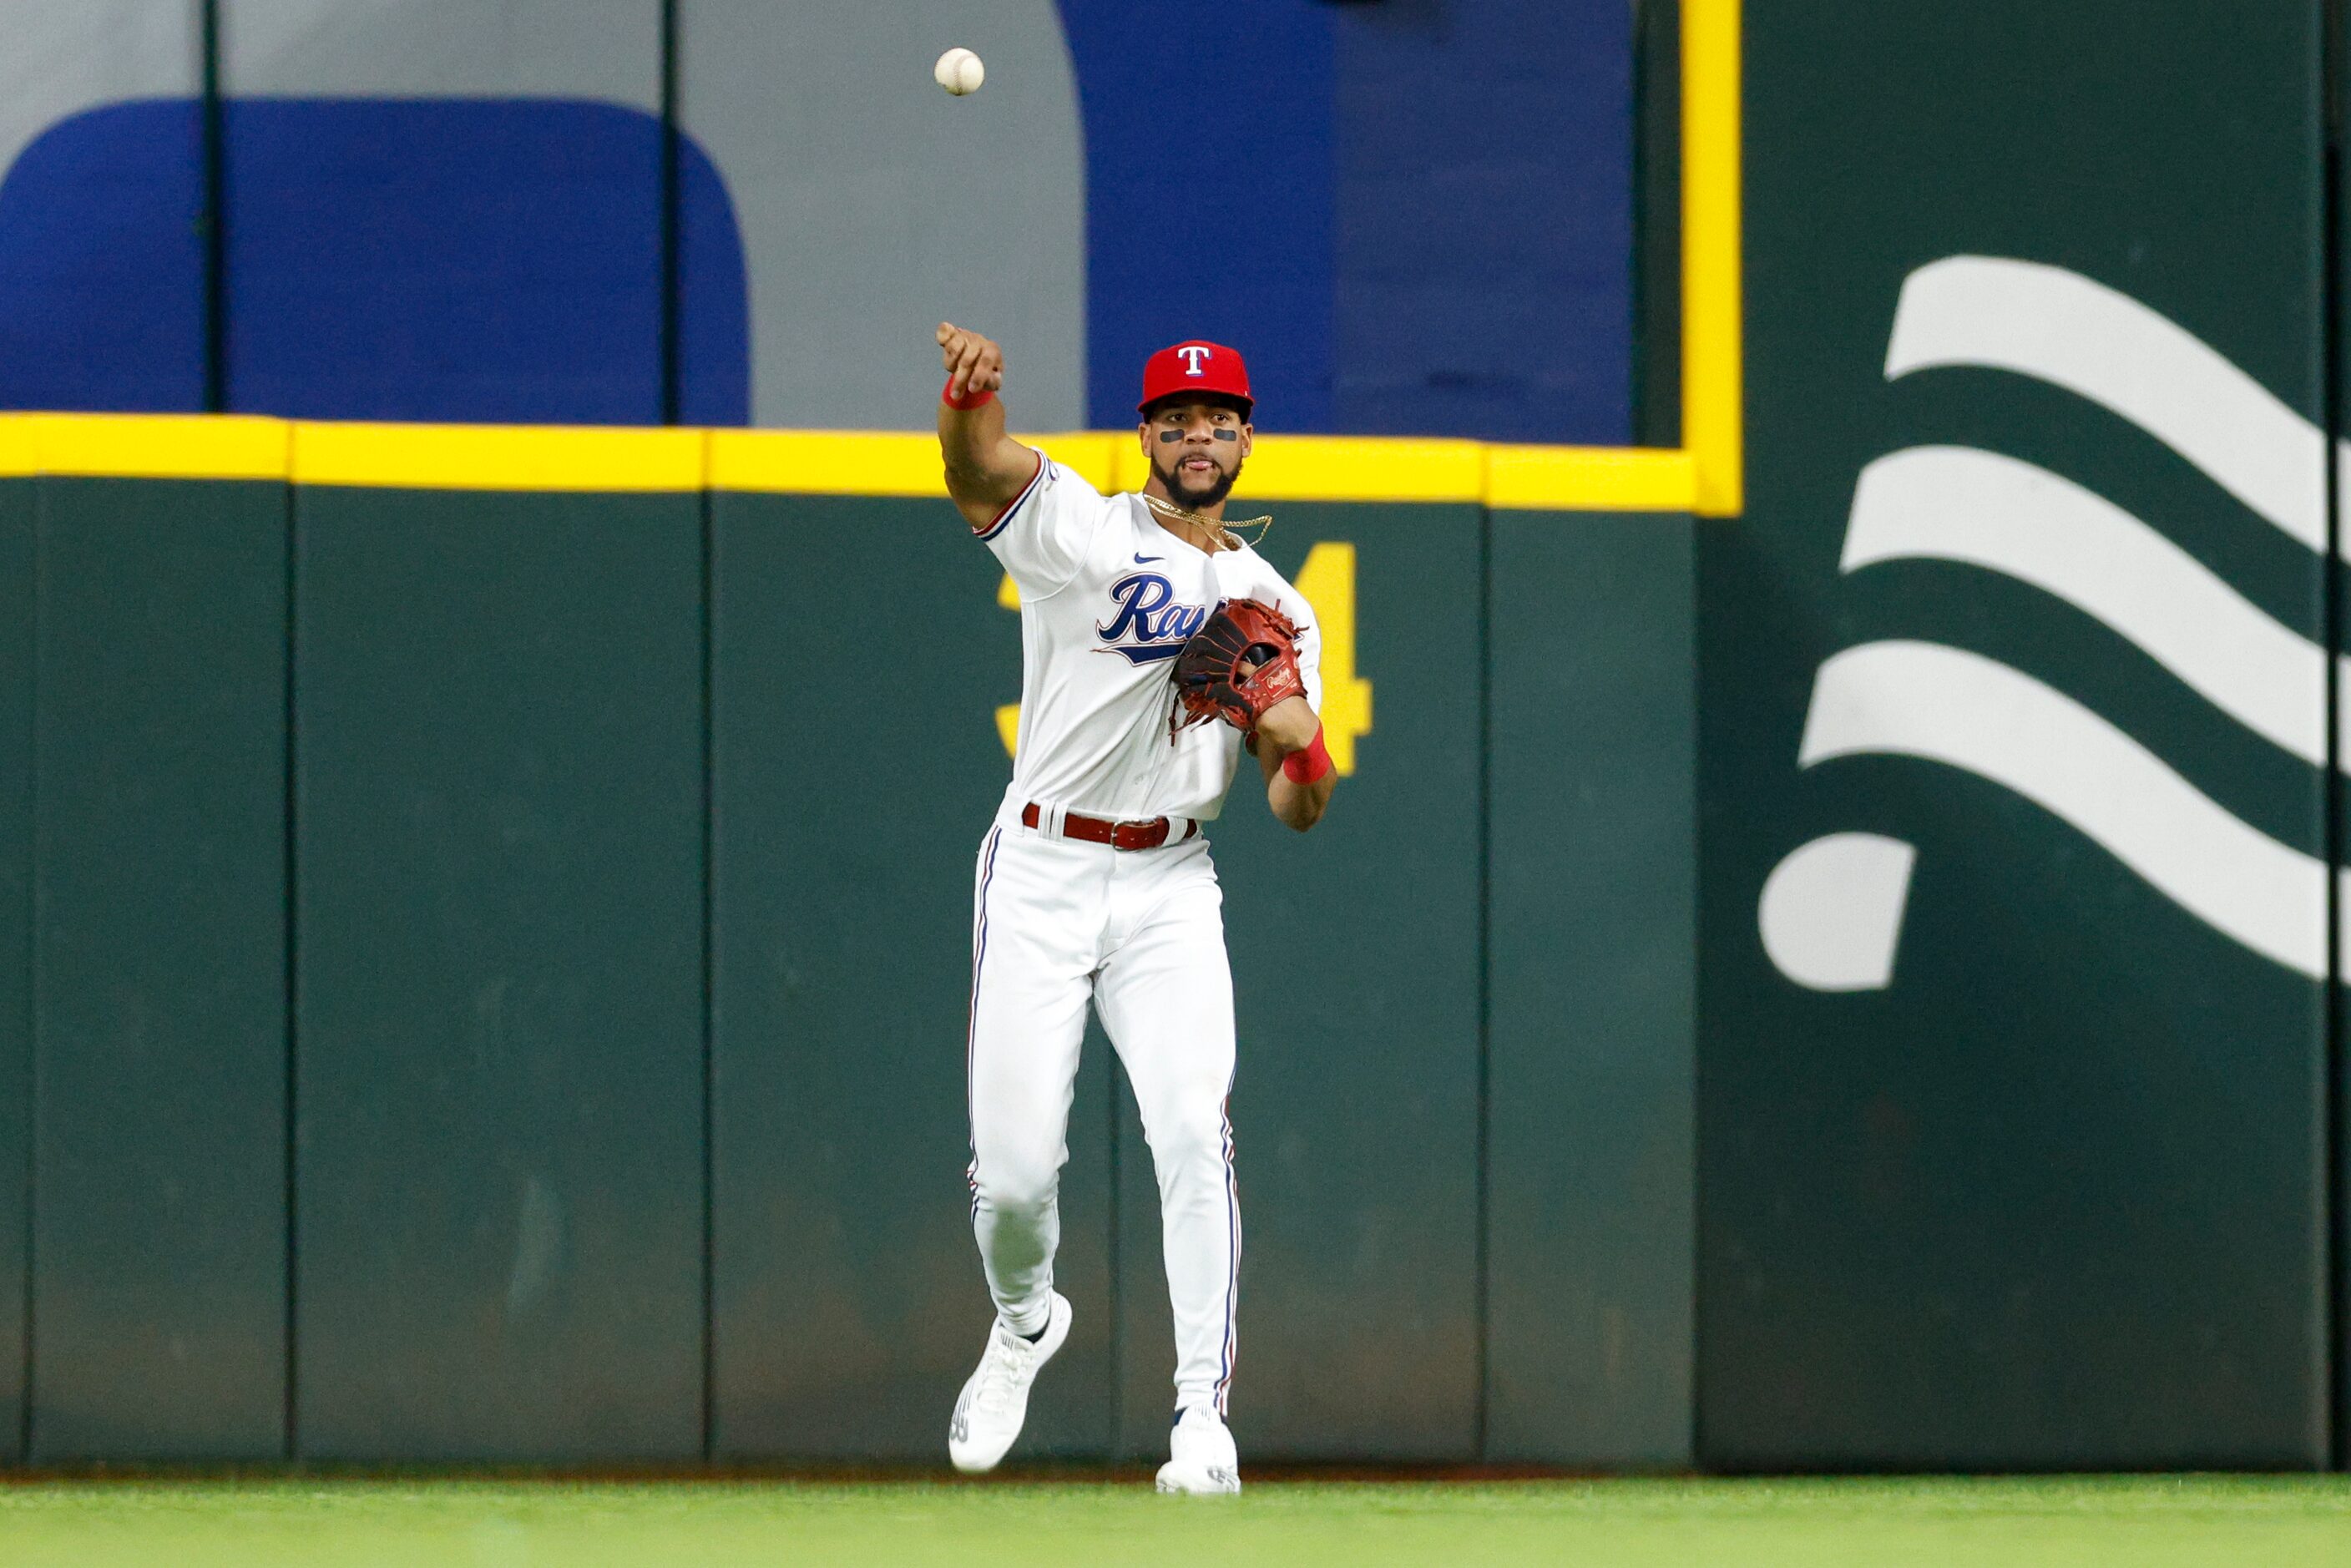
[1328,581]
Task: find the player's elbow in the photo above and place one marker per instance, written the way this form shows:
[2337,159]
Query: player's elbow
[1300,812]
[967,480]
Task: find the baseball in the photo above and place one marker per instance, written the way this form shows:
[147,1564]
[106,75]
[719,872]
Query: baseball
[959,72]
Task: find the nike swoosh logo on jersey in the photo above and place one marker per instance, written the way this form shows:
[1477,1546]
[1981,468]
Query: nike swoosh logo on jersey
[1147,559]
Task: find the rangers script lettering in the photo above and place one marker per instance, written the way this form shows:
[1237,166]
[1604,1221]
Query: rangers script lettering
[1160,629]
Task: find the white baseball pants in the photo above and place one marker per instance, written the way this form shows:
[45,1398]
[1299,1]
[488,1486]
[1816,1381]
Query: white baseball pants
[1140,933]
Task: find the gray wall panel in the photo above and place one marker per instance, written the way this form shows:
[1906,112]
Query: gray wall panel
[873,205]
[607,49]
[63,58]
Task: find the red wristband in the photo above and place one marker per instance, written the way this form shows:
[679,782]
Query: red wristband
[968,400]
[1305,767]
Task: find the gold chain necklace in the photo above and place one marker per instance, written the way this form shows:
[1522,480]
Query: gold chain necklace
[1221,532]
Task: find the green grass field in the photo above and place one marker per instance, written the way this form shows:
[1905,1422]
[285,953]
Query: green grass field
[1947,1523]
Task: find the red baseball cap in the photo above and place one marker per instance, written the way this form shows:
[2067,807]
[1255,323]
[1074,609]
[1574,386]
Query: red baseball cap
[1195,366]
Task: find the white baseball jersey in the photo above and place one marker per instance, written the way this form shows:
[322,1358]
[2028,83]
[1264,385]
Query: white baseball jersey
[1108,598]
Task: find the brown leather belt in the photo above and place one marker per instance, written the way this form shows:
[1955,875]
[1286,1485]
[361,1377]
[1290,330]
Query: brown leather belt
[1147,835]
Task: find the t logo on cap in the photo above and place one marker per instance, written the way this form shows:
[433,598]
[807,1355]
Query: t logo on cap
[1194,369]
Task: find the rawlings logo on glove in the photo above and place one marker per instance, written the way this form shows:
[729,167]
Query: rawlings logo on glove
[1239,663]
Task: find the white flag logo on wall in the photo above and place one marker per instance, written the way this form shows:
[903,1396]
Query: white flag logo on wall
[1831,913]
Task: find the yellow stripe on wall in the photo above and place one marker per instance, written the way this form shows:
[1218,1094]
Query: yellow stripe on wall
[1343,469]
[499,456]
[826,462]
[1713,350]
[1280,468]
[871,462]
[1091,454]
[17,446]
[1589,479]
[158,446]
[815,463]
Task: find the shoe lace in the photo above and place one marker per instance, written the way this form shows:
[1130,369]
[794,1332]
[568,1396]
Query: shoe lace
[1003,1369]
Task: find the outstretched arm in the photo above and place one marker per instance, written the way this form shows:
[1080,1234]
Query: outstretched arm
[987,469]
[1290,727]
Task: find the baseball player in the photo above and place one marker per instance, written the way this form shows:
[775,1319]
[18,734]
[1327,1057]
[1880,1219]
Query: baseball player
[1156,647]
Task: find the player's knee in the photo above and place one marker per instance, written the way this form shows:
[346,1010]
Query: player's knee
[1188,1145]
[1018,1183]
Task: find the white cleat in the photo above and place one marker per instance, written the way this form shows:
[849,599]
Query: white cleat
[1202,1461]
[995,1399]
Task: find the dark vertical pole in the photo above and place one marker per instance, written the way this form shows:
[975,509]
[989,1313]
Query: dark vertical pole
[670,281]
[2332,261]
[216,216]
[1656,388]
[669,413]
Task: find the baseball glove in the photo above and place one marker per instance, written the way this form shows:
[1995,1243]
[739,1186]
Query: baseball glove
[1240,663]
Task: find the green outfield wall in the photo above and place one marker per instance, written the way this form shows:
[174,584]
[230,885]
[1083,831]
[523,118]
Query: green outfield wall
[1589,1152]
[2332,611]
[484,913]
[503,956]
[858,657]
[159,1173]
[16,941]
[2016,935]
[499,1006]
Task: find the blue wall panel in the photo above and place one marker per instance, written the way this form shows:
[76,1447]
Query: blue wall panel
[1414,217]
[1208,198]
[1482,278]
[475,260]
[103,263]
[713,303]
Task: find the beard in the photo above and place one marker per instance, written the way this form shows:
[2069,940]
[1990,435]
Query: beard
[1184,495]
